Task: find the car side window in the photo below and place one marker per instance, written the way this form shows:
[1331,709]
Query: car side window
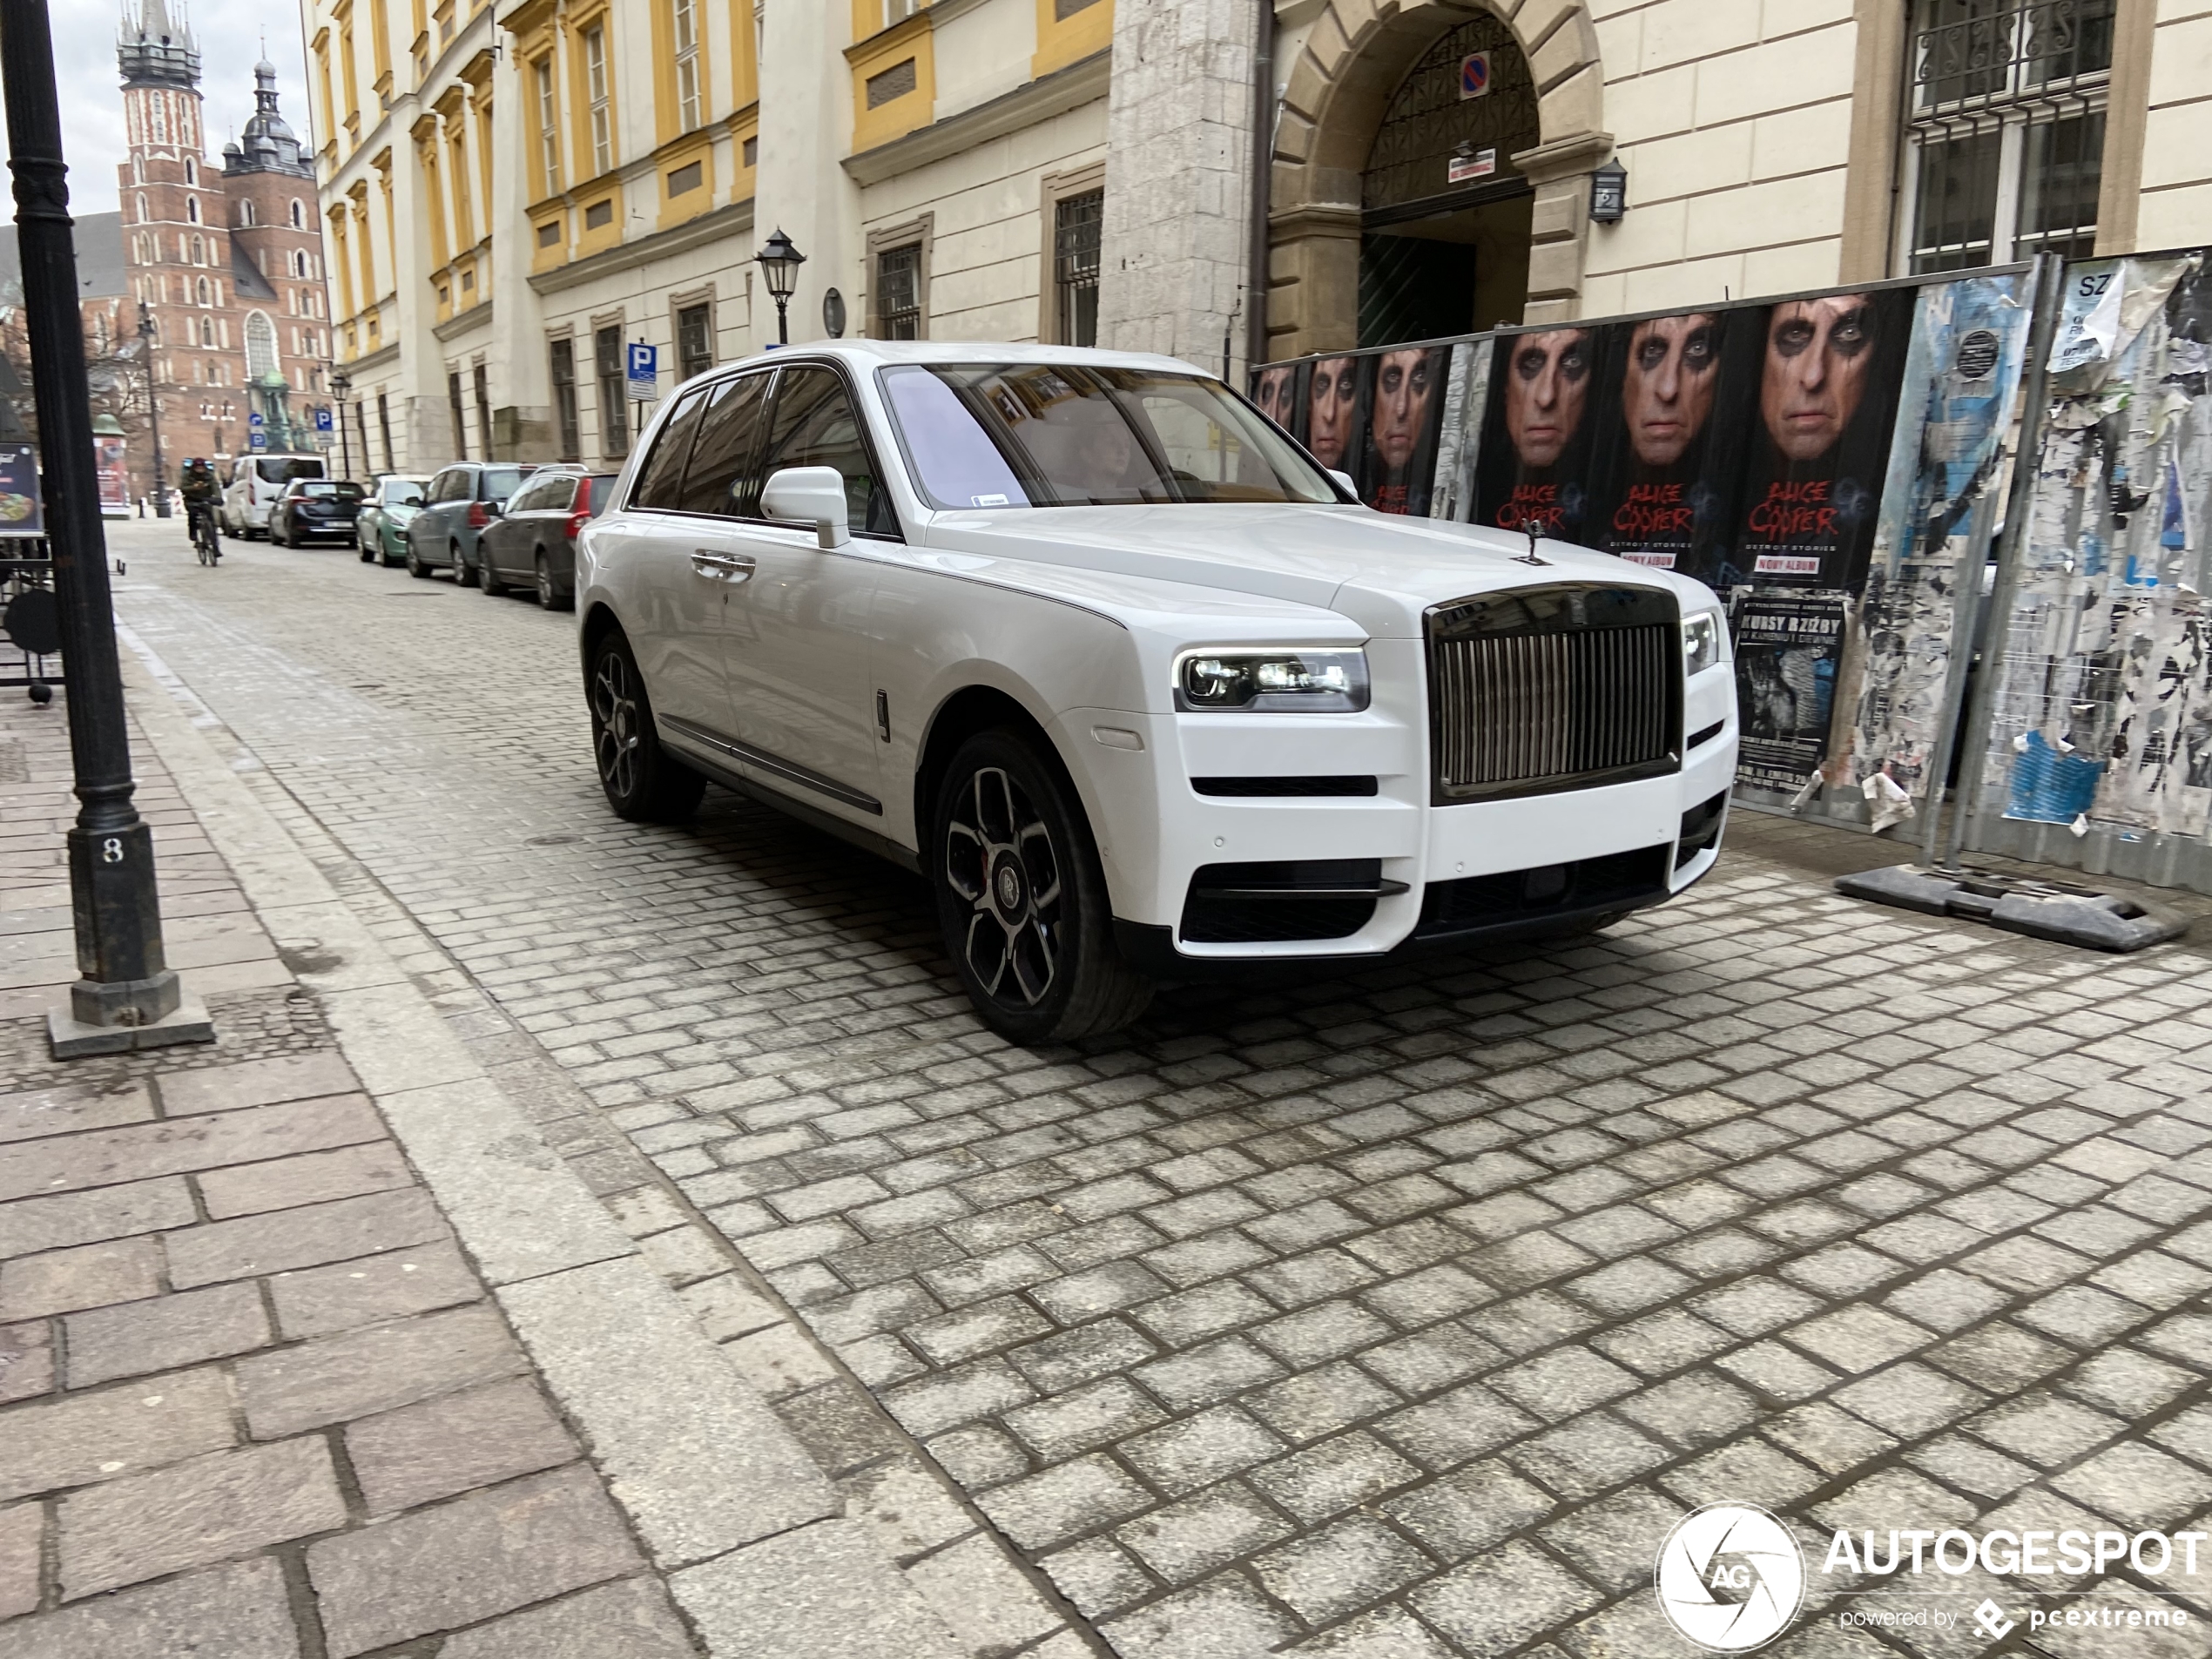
[661,485]
[815,425]
[554,494]
[449,485]
[721,478]
[531,497]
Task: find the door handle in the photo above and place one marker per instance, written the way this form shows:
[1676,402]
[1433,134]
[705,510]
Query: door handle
[723,567]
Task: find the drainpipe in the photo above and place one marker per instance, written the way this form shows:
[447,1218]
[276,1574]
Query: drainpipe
[1263,173]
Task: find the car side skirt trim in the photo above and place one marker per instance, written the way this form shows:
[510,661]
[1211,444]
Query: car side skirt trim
[867,840]
[767,762]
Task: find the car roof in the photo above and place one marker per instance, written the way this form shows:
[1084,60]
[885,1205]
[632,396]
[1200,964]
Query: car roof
[866,353]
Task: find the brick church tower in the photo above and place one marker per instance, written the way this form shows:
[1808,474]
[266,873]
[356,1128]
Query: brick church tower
[227,264]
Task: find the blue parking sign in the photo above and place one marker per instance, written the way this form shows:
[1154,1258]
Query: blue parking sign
[322,420]
[644,372]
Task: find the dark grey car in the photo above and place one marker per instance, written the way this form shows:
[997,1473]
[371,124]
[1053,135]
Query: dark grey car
[532,544]
[461,501]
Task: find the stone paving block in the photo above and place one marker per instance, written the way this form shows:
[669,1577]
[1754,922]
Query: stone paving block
[1564,1382]
[239,1611]
[69,1106]
[88,1276]
[629,1619]
[1911,1400]
[169,1331]
[26,1360]
[839,1428]
[256,1083]
[360,1374]
[905,1504]
[195,1513]
[1187,1381]
[1586,1454]
[1065,1501]
[1199,1450]
[314,1302]
[1099,1576]
[1085,1418]
[179,1145]
[986,1602]
[79,1438]
[480,1556]
[2045,1429]
[22,1527]
[307,1236]
[419,1453]
[1343,1567]
[28,1225]
[1332,1476]
[1447,1431]
[1224,1615]
[1469,1510]
[311,1177]
[1386,1633]
[1501,1601]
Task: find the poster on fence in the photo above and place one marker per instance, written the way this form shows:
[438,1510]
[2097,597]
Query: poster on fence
[1788,646]
[21,513]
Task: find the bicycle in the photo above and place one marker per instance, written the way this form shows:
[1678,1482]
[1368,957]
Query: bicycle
[205,542]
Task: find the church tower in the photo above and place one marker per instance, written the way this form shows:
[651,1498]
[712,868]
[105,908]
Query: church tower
[176,238]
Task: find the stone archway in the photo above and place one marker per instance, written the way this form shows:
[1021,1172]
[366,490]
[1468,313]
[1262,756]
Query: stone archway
[1354,60]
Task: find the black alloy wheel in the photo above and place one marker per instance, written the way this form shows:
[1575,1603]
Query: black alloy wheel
[1023,899]
[644,783]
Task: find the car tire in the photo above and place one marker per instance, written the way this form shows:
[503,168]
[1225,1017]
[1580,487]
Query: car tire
[487,577]
[415,568]
[644,782]
[549,597]
[274,539]
[367,549]
[1021,896]
[460,576]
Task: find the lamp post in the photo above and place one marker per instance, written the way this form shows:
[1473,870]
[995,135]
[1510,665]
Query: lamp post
[125,995]
[780,262]
[342,383]
[153,403]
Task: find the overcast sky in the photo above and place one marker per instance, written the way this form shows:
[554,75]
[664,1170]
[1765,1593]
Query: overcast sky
[230,34]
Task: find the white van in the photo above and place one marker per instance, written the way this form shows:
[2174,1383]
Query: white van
[254,485]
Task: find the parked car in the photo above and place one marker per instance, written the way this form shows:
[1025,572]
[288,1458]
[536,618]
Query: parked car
[315,509]
[255,484]
[533,542]
[392,502]
[460,501]
[1138,687]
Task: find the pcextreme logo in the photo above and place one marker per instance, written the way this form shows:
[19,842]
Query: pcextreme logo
[1730,1577]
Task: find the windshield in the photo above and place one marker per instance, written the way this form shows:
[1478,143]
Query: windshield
[500,482]
[342,491]
[1055,434]
[402,492]
[283,471]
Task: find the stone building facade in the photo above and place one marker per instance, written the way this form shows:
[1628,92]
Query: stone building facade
[515,189]
[225,259]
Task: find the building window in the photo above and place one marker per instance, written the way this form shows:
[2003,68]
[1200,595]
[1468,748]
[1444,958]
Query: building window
[1075,221]
[899,10]
[192,210]
[614,415]
[384,430]
[686,33]
[898,288]
[298,217]
[203,292]
[594,81]
[460,420]
[548,127]
[694,341]
[483,410]
[751,151]
[245,211]
[568,428]
[2005,129]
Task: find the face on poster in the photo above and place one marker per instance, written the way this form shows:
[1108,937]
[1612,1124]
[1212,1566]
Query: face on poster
[1333,409]
[1660,502]
[1536,432]
[1828,370]
[1276,392]
[1405,407]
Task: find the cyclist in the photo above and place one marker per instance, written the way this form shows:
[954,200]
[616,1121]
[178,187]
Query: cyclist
[197,486]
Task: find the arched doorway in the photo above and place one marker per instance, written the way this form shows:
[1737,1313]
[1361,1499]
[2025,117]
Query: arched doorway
[1331,158]
[1444,209]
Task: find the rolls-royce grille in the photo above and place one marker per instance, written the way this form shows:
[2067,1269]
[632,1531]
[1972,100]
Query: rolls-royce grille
[1553,688]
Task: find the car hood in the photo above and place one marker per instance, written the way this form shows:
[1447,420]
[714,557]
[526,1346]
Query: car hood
[1379,570]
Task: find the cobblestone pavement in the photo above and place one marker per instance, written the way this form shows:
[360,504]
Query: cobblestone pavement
[1396,1315]
[252,1396]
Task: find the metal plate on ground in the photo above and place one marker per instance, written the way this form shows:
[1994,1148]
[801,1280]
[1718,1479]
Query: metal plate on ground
[2040,909]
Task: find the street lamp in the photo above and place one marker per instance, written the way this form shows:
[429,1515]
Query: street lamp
[125,995]
[153,410]
[342,383]
[780,262]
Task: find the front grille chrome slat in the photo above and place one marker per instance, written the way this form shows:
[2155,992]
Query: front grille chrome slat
[1553,688]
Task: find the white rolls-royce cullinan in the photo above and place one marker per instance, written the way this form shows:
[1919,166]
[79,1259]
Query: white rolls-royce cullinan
[1138,687]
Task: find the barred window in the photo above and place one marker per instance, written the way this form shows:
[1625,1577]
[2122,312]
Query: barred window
[614,415]
[567,428]
[1076,222]
[694,341]
[898,288]
[2005,129]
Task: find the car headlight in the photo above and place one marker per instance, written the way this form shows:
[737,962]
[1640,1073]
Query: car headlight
[1313,682]
[1704,641]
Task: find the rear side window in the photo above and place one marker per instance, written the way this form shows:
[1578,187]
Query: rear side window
[449,485]
[721,478]
[554,494]
[279,472]
[815,426]
[662,484]
[594,493]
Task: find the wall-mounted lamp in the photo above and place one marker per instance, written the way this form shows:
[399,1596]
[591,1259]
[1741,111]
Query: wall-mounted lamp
[1609,192]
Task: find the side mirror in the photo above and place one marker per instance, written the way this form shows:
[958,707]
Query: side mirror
[810,496]
[1344,480]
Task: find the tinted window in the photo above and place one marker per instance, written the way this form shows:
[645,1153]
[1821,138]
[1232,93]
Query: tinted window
[815,426]
[554,494]
[721,478]
[500,482]
[449,485]
[531,497]
[662,483]
[403,493]
[282,471]
[597,491]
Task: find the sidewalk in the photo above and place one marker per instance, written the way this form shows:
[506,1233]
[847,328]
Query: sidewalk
[359,1333]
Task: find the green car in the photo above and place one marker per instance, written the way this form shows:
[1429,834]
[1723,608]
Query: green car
[392,500]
